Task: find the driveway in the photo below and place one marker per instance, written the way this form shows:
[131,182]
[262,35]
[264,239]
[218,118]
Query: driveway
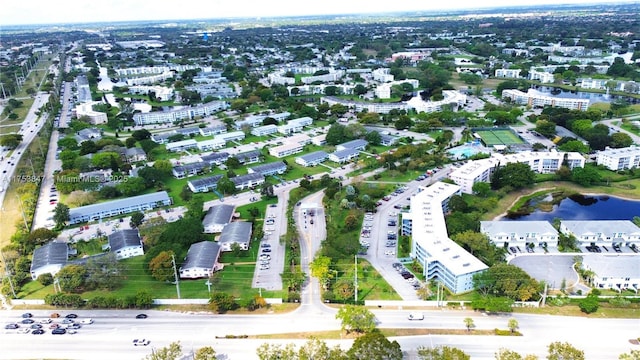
[549,268]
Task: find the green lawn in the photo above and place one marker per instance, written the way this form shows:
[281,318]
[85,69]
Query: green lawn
[371,285]
[260,205]
[399,177]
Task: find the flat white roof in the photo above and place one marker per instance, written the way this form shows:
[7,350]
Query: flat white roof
[517,227]
[601,226]
[617,266]
[430,230]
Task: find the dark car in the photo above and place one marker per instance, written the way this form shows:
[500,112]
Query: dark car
[59,331]
[266,250]
[37,332]
[71,316]
[36,326]
[28,321]
[27,315]
[141,316]
[11,326]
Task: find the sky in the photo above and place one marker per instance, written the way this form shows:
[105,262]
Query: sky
[20,12]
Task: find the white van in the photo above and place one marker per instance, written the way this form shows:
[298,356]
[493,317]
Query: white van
[416,316]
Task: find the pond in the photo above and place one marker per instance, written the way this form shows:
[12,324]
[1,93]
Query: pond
[583,207]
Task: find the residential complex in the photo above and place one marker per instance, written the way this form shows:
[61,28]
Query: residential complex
[540,162]
[616,272]
[107,209]
[520,233]
[602,232]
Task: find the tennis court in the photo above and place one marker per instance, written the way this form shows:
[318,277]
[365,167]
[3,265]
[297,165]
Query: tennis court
[492,137]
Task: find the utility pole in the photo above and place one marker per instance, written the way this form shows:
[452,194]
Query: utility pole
[175,274]
[355,282]
[24,217]
[6,269]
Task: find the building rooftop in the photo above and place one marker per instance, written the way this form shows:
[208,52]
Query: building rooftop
[208,181]
[244,178]
[201,255]
[237,231]
[601,226]
[218,214]
[267,168]
[314,156]
[53,253]
[155,197]
[615,266]
[124,238]
[354,143]
[517,227]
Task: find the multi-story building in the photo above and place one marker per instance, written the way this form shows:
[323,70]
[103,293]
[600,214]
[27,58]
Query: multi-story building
[615,272]
[86,110]
[541,162]
[162,93]
[213,130]
[125,243]
[187,170]
[264,130]
[248,157]
[342,156]
[211,144]
[357,144]
[312,159]
[537,99]
[542,76]
[274,168]
[619,159]
[286,149]
[206,184]
[441,258]
[107,209]
[516,233]
[201,260]
[602,232]
[181,145]
[183,113]
[508,73]
[248,181]
[295,125]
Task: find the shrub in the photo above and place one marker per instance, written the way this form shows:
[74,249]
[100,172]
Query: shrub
[45,279]
[589,304]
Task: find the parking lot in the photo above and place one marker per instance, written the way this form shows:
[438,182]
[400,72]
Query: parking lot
[551,269]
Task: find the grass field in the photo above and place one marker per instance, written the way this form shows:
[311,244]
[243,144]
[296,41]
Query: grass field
[499,137]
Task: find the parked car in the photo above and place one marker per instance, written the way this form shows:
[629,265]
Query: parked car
[141,342]
[141,316]
[58,331]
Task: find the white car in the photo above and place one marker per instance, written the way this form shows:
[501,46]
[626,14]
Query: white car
[141,342]
[390,252]
[86,321]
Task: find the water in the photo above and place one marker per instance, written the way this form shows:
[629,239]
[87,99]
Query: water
[597,207]
[593,97]
[467,150]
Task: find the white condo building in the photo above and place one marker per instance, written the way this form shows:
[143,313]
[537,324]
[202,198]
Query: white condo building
[542,76]
[441,258]
[619,159]
[540,162]
[538,99]
[508,73]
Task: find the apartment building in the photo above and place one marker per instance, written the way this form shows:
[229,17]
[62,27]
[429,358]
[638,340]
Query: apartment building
[615,272]
[537,99]
[264,130]
[107,209]
[312,159]
[508,73]
[602,232]
[541,162]
[441,258]
[542,76]
[619,159]
[520,233]
[183,113]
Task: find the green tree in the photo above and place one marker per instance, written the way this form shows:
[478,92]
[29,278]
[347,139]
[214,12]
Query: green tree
[513,325]
[161,266]
[574,146]
[468,323]
[545,128]
[585,176]
[320,268]
[45,279]
[356,319]
[171,352]
[221,302]
[506,280]
[226,186]
[563,351]
[479,245]
[205,353]
[136,219]
[621,140]
[61,215]
[71,278]
[104,272]
[336,134]
[441,353]
[481,189]
[164,167]
[506,354]
[10,141]
[515,175]
[314,349]
[375,346]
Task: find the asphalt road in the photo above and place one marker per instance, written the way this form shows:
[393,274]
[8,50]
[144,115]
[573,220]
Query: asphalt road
[29,130]
[113,333]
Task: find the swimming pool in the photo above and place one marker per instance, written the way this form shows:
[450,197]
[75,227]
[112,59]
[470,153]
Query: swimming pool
[466,151]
